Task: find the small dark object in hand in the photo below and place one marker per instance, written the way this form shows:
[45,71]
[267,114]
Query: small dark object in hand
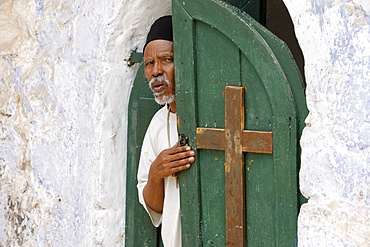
[183,140]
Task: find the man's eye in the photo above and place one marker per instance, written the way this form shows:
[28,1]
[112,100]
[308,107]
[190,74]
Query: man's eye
[148,63]
[169,59]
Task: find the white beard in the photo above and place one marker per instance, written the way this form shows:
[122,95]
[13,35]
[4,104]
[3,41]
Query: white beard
[160,98]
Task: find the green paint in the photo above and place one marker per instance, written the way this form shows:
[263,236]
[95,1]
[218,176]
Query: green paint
[218,44]
[139,229]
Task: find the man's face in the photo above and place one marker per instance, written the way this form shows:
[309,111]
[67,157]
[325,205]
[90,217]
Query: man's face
[159,70]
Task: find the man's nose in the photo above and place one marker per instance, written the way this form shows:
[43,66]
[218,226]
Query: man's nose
[157,69]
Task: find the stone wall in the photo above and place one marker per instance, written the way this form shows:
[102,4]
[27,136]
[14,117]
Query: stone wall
[64,90]
[335,39]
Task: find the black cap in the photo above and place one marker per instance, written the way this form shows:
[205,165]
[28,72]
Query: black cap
[161,29]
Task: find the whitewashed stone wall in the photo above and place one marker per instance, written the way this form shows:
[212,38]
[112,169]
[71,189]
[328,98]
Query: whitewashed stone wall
[335,39]
[64,90]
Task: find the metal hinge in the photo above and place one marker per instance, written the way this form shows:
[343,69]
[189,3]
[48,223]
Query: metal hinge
[135,57]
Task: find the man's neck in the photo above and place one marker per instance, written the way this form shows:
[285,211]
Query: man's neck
[172,107]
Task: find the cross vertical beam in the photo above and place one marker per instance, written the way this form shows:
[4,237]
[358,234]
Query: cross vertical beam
[235,140]
[234,167]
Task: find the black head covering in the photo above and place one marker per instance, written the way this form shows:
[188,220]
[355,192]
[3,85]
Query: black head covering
[161,29]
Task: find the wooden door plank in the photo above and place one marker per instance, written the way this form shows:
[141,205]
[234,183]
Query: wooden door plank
[186,112]
[285,181]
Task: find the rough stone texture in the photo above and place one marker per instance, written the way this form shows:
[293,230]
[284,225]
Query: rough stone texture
[64,90]
[335,174]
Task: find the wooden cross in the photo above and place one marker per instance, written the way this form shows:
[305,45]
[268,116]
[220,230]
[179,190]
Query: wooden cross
[234,140]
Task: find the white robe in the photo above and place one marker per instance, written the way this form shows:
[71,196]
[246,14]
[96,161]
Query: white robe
[156,140]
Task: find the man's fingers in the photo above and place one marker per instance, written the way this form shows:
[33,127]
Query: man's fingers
[183,155]
[173,160]
[172,155]
[181,162]
[177,149]
[180,168]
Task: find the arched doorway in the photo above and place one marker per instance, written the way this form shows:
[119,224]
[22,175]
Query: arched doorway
[139,229]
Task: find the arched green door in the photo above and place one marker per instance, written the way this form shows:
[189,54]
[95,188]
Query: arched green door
[216,47]
[139,230]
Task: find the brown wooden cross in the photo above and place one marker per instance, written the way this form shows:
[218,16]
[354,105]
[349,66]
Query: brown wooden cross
[234,140]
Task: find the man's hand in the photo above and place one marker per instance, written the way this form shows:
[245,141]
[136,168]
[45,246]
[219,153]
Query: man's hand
[171,161]
[168,162]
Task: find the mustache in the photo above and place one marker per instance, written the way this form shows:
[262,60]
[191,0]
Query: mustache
[159,79]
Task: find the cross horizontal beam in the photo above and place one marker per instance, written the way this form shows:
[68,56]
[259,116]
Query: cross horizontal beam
[252,141]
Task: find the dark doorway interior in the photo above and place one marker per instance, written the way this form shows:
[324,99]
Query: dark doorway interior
[275,17]
[278,21]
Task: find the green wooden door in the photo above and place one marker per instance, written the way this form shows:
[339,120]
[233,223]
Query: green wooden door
[217,45]
[139,229]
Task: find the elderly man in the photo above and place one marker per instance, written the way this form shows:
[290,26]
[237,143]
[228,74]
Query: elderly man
[161,158]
